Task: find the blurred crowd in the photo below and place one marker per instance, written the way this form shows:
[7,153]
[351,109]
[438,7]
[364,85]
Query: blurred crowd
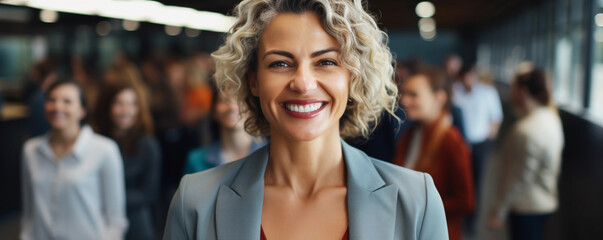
[134,129]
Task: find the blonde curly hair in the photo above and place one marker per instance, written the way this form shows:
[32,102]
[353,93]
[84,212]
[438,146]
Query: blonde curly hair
[363,49]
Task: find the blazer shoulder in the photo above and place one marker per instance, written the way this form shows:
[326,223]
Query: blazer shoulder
[394,174]
[412,185]
[202,187]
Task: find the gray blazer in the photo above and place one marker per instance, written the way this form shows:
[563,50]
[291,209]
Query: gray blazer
[383,201]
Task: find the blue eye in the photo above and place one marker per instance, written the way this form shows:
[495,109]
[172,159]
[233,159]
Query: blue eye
[327,63]
[278,64]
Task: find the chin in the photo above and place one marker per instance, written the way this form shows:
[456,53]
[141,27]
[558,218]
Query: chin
[307,133]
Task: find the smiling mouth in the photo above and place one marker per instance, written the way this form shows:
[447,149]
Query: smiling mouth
[304,108]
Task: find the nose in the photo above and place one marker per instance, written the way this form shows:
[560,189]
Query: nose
[304,79]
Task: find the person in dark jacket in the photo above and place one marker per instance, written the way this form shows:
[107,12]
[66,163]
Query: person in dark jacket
[124,116]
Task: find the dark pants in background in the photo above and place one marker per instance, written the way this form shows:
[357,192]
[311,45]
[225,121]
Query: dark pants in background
[527,226]
[479,158]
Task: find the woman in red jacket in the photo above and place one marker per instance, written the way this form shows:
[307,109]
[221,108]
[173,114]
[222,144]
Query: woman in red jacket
[435,146]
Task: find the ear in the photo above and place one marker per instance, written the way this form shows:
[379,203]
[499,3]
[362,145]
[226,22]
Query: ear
[253,83]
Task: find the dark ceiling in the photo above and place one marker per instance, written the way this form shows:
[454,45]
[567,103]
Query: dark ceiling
[393,14]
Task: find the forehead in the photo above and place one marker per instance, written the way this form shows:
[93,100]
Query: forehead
[65,90]
[126,92]
[417,82]
[296,32]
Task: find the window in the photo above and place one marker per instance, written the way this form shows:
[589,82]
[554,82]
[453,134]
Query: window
[596,87]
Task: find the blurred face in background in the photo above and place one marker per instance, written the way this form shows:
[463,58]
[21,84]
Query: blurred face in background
[63,107]
[420,101]
[124,109]
[226,113]
[469,79]
[453,65]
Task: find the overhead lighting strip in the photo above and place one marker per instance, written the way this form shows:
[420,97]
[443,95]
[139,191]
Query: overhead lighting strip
[136,10]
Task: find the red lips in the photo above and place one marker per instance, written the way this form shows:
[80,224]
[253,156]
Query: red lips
[299,102]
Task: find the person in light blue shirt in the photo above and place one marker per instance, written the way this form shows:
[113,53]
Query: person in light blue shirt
[233,143]
[72,178]
[482,115]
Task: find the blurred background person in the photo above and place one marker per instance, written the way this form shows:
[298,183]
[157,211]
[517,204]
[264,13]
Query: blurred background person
[41,76]
[83,73]
[72,178]
[381,144]
[482,115]
[123,115]
[527,188]
[233,141]
[452,65]
[197,104]
[435,146]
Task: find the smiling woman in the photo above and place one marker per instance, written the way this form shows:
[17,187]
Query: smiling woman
[123,115]
[71,176]
[309,73]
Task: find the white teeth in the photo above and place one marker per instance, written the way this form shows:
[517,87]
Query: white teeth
[303,108]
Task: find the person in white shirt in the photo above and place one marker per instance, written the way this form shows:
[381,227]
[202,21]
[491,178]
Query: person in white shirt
[72,179]
[482,115]
[527,190]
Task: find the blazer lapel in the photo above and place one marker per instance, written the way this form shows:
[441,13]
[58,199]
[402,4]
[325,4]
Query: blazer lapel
[371,203]
[239,205]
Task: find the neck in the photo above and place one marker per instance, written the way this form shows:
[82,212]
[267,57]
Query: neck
[235,143]
[305,167]
[66,136]
[119,133]
[467,86]
[429,120]
[527,107]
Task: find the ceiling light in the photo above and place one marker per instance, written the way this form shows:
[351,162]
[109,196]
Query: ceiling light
[172,30]
[135,10]
[192,32]
[428,36]
[49,16]
[103,28]
[130,25]
[599,19]
[425,9]
[427,25]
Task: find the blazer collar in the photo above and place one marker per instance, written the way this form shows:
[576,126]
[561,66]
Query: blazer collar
[239,205]
[371,203]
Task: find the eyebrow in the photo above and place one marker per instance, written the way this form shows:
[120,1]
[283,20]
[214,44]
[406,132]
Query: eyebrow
[289,55]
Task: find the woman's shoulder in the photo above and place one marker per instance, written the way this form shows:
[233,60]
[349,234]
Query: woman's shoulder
[101,142]
[203,186]
[404,178]
[33,143]
[417,193]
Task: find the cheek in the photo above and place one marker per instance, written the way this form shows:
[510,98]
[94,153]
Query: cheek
[115,110]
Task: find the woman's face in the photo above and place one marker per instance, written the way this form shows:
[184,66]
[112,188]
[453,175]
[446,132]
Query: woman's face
[124,109]
[226,113]
[63,108]
[419,100]
[300,81]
